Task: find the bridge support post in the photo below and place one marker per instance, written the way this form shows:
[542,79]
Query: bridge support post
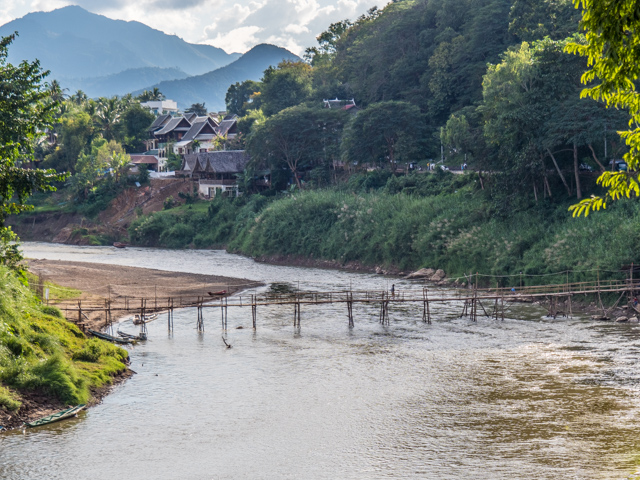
[350,308]
[296,312]
[223,311]
[426,314]
[200,323]
[143,320]
[170,314]
[254,310]
[384,309]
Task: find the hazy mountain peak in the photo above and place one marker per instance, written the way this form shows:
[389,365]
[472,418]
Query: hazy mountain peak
[75,43]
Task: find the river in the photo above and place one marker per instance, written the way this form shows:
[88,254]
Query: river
[527,398]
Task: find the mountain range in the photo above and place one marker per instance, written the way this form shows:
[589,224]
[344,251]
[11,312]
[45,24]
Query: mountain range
[212,87]
[105,57]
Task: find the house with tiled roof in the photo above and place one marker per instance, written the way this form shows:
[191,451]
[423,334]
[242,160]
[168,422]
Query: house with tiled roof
[188,134]
[216,172]
[199,138]
[151,162]
[228,126]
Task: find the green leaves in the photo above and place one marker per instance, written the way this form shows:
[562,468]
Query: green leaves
[613,52]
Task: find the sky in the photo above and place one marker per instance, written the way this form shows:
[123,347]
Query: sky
[234,26]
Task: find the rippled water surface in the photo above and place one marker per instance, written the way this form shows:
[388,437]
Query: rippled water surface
[527,398]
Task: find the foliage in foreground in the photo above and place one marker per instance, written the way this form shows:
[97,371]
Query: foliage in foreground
[612,49]
[41,351]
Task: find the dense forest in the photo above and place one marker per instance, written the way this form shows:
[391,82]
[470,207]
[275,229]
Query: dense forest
[483,83]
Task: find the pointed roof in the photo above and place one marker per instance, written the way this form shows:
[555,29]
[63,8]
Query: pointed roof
[177,124]
[201,126]
[227,125]
[159,122]
[224,161]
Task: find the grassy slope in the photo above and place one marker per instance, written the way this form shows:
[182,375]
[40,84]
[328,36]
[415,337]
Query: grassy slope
[39,350]
[459,230]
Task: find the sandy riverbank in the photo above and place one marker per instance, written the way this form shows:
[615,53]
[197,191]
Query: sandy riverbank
[124,286]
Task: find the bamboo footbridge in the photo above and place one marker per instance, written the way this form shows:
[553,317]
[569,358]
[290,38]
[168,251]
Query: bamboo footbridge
[473,302]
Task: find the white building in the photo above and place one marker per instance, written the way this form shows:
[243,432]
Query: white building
[161,107]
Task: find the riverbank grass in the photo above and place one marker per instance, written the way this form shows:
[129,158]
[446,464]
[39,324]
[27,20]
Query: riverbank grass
[41,352]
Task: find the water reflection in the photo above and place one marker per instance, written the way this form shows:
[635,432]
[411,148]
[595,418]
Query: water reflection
[525,398]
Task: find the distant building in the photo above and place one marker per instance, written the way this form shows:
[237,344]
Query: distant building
[150,161]
[216,172]
[161,107]
[199,138]
[341,104]
[189,133]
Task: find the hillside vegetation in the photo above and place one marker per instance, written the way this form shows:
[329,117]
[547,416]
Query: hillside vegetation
[437,221]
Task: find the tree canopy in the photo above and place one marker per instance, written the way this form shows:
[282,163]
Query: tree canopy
[26,109]
[198,109]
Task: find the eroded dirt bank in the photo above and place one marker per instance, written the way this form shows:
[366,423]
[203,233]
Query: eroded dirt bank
[112,223]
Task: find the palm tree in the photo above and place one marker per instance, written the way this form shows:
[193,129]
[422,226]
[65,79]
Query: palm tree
[156,94]
[79,97]
[107,114]
[57,92]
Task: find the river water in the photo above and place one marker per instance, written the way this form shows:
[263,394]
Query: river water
[527,398]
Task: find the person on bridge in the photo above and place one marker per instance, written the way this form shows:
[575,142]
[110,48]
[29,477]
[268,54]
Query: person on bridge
[393,290]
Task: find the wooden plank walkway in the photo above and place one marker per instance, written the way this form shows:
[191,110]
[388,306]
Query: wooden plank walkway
[558,296]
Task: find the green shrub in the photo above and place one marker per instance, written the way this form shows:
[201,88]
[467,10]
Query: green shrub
[179,235]
[18,347]
[169,203]
[94,349]
[57,376]
[51,310]
[48,343]
[8,400]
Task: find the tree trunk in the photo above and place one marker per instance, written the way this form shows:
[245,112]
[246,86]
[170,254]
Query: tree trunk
[576,170]
[535,191]
[546,184]
[564,181]
[593,154]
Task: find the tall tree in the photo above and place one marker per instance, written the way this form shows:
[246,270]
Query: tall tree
[26,109]
[151,95]
[197,108]
[285,86]
[299,137]
[385,133]
[133,127]
[107,115]
[239,97]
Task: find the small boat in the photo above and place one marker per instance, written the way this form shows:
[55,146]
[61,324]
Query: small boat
[147,318]
[110,338]
[54,417]
[217,294]
[141,336]
[119,244]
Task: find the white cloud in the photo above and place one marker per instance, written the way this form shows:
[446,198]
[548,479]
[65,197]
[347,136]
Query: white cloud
[296,29]
[237,40]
